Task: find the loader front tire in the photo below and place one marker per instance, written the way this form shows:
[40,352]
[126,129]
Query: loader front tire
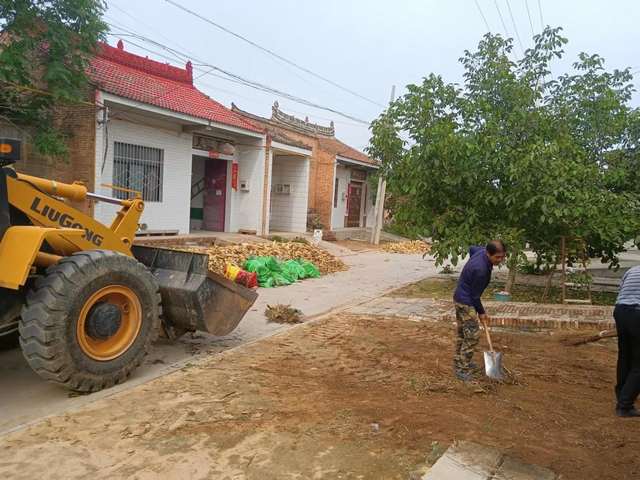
[89,322]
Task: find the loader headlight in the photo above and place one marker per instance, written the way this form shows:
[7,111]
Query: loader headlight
[9,149]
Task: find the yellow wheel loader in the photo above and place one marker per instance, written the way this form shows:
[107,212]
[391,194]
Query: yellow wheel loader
[86,304]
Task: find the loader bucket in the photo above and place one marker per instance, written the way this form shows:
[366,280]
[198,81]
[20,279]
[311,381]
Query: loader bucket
[193,297]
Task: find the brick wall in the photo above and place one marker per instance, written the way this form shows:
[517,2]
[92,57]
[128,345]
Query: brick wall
[324,181]
[266,194]
[77,122]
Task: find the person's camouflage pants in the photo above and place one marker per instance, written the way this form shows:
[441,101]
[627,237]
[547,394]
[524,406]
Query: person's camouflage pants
[468,336]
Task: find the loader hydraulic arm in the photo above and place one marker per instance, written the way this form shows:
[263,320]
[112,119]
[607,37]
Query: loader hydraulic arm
[36,198]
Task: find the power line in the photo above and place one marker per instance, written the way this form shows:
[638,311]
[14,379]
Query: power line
[251,83]
[526,2]
[229,92]
[514,26]
[181,56]
[503,25]
[541,20]
[195,57]
[175,4]
[233,77]
[482,14]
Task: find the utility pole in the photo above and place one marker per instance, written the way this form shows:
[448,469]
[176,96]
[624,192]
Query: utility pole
[378,211]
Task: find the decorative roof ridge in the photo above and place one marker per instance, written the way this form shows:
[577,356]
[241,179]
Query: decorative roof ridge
[145,64]
[278,117]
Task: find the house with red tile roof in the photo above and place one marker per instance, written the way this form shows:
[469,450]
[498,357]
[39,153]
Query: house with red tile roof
[197,164]
[339,188]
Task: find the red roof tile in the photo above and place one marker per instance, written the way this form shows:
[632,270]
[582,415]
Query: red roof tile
[336,147]
[147,81]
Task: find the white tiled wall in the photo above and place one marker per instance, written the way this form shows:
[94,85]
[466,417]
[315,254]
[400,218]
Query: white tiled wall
[289,212]
[339,212]
[246,207]
[172,213]
[243,209]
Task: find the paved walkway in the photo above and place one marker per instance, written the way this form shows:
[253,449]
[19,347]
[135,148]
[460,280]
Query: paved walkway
[371,274]
[530,317]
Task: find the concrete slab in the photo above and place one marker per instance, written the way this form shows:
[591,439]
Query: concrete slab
[465,461]
[472,461]
[514,469]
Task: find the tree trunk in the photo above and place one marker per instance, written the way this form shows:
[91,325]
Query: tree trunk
[513,270]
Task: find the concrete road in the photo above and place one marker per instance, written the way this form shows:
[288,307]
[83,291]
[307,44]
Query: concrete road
[25,398]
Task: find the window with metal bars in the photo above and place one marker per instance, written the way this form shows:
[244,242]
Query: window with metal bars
[139,169]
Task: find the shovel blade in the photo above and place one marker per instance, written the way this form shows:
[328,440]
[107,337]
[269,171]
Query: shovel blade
[493,365]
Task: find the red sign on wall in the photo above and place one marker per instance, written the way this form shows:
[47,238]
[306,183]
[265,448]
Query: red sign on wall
[348,198]
[213,154]
[234,176]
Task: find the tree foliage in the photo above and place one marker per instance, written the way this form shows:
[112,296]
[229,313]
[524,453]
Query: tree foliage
[46,45]
[515,155]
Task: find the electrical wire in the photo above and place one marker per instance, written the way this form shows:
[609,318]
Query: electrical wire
[541,20]
[515,26]
[180,56]
[526,2]
[195,57]
[293,64]
[482,14]
[200,82]
[245,81]
[503,25]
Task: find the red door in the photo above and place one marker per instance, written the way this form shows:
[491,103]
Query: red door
[355,201]
[215,195]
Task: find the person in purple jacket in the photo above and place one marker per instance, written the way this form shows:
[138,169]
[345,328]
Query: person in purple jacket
[474,279]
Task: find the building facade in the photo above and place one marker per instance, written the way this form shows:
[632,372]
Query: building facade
[197,164]
[339,187]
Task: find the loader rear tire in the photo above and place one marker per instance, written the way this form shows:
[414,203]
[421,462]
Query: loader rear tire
[59,335]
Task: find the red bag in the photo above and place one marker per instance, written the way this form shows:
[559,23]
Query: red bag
[246,279]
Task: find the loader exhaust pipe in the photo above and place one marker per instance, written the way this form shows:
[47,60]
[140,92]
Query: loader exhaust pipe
[194,298]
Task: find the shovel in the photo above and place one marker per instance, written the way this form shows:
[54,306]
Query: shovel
[492,359]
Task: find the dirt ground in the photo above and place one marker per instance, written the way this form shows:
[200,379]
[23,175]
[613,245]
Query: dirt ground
[306,404]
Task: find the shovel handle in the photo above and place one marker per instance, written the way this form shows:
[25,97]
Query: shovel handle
[486,331]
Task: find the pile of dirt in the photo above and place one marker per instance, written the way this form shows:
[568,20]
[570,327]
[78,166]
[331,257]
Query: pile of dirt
[415,246]
[283,314]
[221,256]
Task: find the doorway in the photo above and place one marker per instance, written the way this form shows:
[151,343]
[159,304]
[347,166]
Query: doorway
[355,204]
[215,195]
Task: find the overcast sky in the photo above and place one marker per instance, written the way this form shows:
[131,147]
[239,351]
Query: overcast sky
[364,46]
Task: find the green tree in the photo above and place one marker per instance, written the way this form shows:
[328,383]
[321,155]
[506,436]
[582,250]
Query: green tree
[46,45]
[505,155]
